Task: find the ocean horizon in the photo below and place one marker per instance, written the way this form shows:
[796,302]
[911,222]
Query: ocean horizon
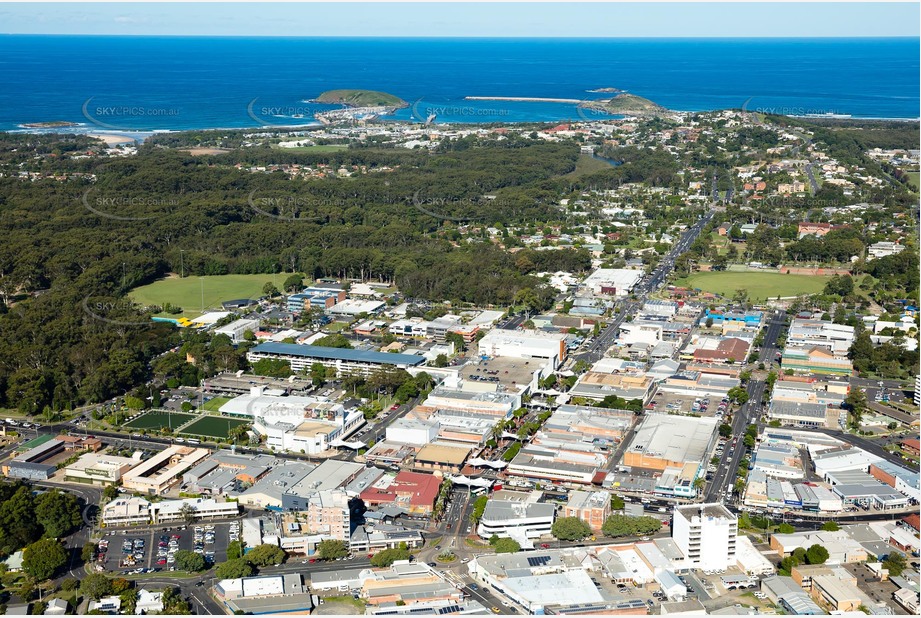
[159,83]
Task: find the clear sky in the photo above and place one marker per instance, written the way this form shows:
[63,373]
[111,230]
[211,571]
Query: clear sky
[511,19]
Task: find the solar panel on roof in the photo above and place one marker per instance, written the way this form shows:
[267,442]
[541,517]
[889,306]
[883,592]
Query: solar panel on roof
[449,609]
[538,560]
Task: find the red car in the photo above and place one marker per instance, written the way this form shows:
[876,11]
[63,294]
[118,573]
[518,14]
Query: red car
[161,561]
[312,560]
[394,407]
[545,546]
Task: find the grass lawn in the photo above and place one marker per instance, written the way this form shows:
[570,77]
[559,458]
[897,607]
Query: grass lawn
[587,164]
[317,148]
[157,419]
[915,179]
[214,404]
[212,426]
[190,292]
[760,286]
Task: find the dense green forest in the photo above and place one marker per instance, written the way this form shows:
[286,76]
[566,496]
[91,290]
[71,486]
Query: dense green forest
[73,249]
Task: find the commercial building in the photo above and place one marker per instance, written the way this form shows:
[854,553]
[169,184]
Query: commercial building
[842,548]
[352,307]
[525,344]
[124,511]
[801,414]
[884,249]
[344,361]
[267,492]
[225,471]
[412,430]
[493,404]
[815,359]
[237,329]
[99,469]
[412,589]
[706,534]
[270,594]
[903,480]
[668,441]
[328,514]
[35,463]
[315,297]
[697,383]
[163,471]
[296,424]
[517,515]
[441,457]
[598,385]
[412,491]
[541,464]
[837,338]
[329,475]
[591,507]
[616,282]
[783,591]
[725,350]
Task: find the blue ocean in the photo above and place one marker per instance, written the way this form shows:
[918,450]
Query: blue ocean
[175,83]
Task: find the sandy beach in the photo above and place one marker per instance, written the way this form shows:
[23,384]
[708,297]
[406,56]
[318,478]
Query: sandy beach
[112,140]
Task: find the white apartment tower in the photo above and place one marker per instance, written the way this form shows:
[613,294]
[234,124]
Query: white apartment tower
[706,533]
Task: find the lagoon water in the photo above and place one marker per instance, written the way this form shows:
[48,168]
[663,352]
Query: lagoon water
[170,83]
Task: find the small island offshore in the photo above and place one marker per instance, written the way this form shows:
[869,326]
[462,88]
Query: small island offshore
[361,98]
[624,103]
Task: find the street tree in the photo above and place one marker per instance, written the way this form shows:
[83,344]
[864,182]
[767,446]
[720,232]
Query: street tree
[232,569]
[42,558]
[330,549]
[189,561]
[570,529]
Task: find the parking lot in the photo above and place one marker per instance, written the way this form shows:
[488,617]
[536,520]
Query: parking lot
[672,403]
[131,550]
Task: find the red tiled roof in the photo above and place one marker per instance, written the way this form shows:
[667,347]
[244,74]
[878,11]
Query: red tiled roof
[913,520]
[421,489]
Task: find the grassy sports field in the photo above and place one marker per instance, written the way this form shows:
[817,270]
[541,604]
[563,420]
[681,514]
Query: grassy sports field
[157,419]
[212,426]
[760,286]
[197,294]
[214,404]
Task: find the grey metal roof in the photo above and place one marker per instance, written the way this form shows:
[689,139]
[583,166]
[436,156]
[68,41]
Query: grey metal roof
[313,351]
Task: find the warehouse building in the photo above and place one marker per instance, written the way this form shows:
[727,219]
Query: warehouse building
[668,441]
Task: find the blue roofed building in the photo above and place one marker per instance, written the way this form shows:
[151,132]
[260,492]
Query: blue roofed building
[344,361]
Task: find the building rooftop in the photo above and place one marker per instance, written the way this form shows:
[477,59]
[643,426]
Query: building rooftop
[672,437]
[361,356]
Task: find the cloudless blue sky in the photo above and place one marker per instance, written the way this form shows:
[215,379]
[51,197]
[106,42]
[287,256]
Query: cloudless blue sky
[737,19]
